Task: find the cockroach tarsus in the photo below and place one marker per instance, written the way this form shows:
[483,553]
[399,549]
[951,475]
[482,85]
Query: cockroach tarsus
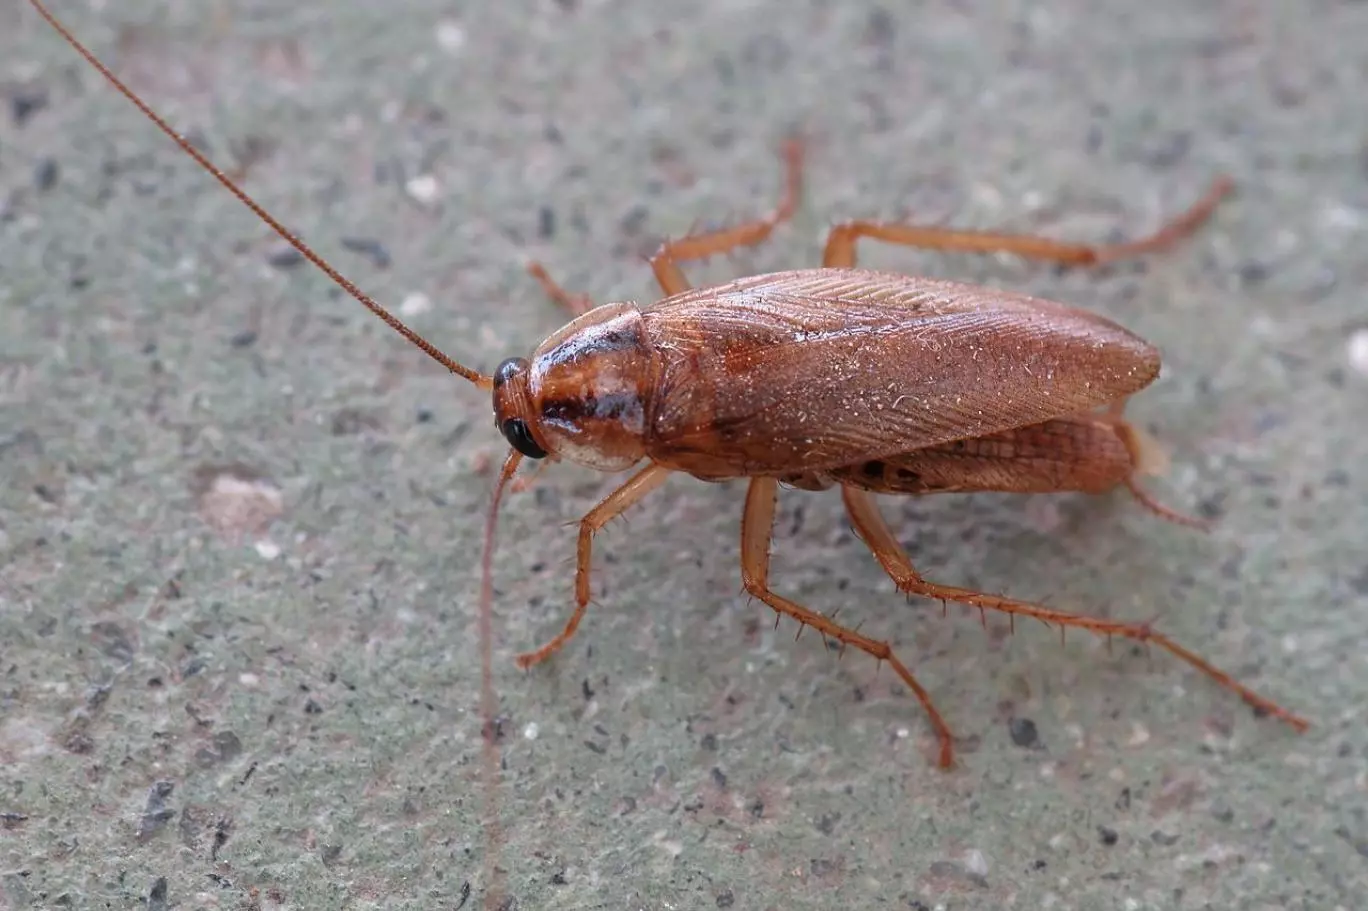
[873,382]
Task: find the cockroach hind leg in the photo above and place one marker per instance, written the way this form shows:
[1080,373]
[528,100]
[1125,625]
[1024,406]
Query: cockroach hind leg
[890,554]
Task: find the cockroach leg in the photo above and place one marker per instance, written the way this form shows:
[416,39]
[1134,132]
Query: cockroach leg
[665,262]
[840,247]
[577,304]
[871,527]
[525,482]
[757,528]
[638,486]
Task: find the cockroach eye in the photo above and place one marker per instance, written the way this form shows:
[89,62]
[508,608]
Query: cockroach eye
[509,369]
[520,438]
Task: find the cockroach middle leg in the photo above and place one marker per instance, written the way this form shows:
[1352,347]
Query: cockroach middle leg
[665,262]
[636,487]
[840,247]
[757,528]
[871,527]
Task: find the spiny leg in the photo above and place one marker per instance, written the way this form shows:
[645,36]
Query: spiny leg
[577,304]
[665,262]
[872,528]
[636,487]
[757,527]
[840,248]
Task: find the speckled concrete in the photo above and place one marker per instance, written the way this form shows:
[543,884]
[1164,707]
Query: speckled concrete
[240,520]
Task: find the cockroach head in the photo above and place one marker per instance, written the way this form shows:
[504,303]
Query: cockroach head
[512,407]
[583,394]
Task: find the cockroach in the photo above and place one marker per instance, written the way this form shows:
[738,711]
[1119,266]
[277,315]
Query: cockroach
[869,381]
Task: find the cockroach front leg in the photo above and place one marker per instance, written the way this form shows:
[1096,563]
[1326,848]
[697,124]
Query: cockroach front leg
[872,528]
[757,527]
[577,304]
[840,247]
[638,486]
[665,262]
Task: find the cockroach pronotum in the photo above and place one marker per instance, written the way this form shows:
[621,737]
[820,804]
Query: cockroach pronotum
[873,382]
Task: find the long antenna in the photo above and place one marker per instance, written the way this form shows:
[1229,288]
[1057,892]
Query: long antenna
[479,379]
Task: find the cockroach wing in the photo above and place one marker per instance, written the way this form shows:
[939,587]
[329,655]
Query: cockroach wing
[810,369]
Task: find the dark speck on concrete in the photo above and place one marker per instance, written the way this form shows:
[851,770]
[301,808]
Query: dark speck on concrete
[11,820]
[1108,836]
[244,339]
[312,708]
[45,174]
[546,222]
[1360,845]
[284,257]
[224,747]
[822,867]
[112,640]
[370,248]
[726,898]
[156,813]
[1024,733]
[1253,273]
[26,102]
[156,896]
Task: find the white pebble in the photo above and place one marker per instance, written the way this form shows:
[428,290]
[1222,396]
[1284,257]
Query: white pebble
[450,36]
[530,732]
[1358,350]
[268,549]
[423,188]
[415,303]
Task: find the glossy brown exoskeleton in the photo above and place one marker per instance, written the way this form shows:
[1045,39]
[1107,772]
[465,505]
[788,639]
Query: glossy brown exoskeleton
[872,382]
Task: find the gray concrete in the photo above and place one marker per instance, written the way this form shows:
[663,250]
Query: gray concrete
[240,528]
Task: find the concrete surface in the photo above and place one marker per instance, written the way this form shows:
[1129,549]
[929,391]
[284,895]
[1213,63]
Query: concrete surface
[240,527]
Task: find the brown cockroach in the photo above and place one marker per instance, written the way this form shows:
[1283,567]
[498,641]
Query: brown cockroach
[873,382]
